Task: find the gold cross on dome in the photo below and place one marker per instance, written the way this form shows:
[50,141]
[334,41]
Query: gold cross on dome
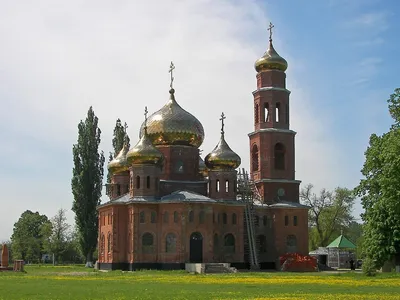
[270,30]
[171,69]
[222,122]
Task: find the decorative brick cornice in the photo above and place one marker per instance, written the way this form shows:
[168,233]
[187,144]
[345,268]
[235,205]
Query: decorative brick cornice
[271,88]
[277,180]
[277,130]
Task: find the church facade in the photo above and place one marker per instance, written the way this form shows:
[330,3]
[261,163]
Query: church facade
[169,207]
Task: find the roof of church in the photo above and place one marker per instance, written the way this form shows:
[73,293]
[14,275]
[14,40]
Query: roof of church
[175,197]
[281,204]
[186,196]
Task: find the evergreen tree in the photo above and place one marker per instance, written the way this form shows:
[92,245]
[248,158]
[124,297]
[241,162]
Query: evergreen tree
[120,136]
[379,192]
[86,183]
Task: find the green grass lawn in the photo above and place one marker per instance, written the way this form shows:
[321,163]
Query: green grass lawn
[76,282]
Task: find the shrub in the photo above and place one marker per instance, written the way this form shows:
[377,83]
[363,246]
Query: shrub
[369,267]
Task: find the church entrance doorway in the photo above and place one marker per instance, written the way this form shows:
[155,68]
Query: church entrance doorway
[196,247]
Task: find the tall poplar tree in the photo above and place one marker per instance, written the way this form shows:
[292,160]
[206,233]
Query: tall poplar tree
[118,141]
[87,180]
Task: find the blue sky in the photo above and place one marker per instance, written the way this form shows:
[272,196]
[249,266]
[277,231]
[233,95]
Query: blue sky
[57,58]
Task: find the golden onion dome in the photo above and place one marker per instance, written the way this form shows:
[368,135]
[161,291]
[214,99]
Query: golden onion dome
[144,152]
[119,163]
[222,157]
[172,125]
[271,60]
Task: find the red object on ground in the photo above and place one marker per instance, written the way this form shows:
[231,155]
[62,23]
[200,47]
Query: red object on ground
[294,262]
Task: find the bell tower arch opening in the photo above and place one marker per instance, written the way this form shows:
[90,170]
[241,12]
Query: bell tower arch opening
[279,156]
[254,158]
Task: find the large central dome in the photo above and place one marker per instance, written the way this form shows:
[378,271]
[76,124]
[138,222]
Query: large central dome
[172,125]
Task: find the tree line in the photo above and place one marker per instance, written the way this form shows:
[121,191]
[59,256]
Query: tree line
[36,235]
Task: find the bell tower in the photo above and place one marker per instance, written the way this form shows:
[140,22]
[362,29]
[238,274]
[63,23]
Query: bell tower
[272,143]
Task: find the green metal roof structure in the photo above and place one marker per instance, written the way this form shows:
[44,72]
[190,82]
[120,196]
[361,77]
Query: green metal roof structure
[341,242]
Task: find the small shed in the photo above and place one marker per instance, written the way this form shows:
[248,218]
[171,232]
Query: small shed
[340,252]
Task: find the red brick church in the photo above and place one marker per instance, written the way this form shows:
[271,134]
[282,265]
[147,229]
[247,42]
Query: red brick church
[169,207]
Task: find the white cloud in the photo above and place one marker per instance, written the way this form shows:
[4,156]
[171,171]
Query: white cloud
[59,57]
[367,68]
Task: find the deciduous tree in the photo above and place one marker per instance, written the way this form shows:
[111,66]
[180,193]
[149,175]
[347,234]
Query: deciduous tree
[380,191]
[28,236]
[87,182]
[57,241]
[329,213]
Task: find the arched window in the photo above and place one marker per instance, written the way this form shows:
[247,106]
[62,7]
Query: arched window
[166,217]
[202,217]
[277,112]
[170,243]
[234,219]
[254,158]
[229,243]
[148,182]
[191,216]
[226,186]
[153,217]
[256,112]
[266,112]
[265,220]
[176,217]
[138,182]
[279,154]
[216,244]
[262,241]
[257,221]
[147,243]
[179,167]
[224,218]
[102,243]
[109,242]
[291,244]
[142,217]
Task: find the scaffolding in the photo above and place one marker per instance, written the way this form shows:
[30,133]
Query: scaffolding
[248,193]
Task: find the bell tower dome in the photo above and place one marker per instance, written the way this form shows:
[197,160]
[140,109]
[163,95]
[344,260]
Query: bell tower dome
[272,143]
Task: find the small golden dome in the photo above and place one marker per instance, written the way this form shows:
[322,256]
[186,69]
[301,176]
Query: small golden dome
[271,60]
[172,125]
[119,163]
[222,157]
[144,152]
